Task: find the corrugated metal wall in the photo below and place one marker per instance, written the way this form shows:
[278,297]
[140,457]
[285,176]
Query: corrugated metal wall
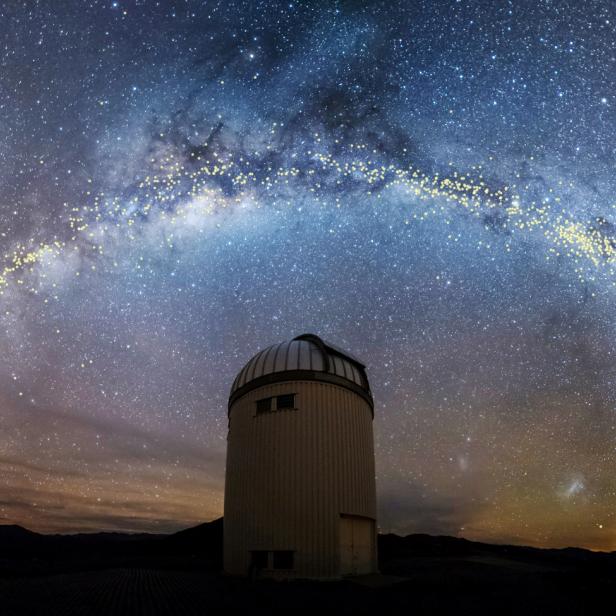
[291,473]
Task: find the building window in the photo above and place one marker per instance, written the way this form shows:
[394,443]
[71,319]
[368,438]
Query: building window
[283,559]
[259,559]
[264,405]
[287,401]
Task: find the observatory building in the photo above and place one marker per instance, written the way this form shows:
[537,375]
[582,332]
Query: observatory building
[300,494]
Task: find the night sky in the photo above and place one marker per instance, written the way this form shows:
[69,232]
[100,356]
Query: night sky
[429,185]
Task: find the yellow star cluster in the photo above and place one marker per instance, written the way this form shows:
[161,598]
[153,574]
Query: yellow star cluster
[177,191]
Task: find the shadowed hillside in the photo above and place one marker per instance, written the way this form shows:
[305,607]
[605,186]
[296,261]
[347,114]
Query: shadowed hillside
[109,573]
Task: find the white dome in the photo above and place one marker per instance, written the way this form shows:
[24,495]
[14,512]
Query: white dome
[305,357]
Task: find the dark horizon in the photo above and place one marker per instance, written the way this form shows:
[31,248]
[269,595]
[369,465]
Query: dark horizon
[181,573]
[380,533]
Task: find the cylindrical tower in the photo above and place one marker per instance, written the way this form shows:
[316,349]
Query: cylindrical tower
[300,494]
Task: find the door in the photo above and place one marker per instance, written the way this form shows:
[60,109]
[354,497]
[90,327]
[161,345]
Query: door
[356,544]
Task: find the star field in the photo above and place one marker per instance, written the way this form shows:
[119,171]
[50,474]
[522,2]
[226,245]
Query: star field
[428,185]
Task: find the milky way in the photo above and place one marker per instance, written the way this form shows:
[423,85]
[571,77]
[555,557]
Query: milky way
[428,185]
